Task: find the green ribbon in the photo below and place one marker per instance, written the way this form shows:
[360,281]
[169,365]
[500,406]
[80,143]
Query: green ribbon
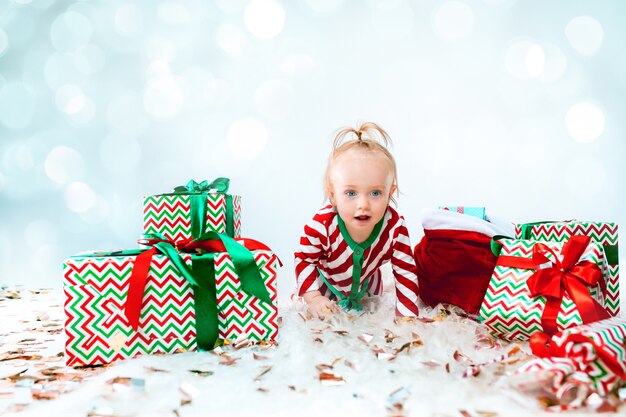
[205,293]
[198,205]
[527,228]
[244,263]
[201,276]
[610,251]
[357,291]
[205,302]
[104,254]
[496,246]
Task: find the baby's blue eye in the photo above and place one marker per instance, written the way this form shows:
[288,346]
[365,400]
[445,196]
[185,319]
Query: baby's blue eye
[376,193]
[351,193]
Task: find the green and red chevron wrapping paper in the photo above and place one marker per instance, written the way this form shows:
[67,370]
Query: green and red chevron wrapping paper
[510,310]
[592,355]
[170,215]
[601,232]
[97,330]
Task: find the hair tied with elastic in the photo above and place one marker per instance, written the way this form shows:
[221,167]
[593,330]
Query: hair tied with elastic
[366,134]
[369,138]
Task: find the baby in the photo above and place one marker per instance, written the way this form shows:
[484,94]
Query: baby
[346,242]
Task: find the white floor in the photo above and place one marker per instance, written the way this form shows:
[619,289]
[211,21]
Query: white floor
[423,380]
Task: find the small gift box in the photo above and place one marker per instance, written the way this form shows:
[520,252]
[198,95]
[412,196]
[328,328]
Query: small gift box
[192,210]
[587,359]
[168,298]
[545,286]
[478,212]
[600,232]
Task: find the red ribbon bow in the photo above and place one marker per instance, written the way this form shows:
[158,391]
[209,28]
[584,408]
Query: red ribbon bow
[555,278]
[544,347]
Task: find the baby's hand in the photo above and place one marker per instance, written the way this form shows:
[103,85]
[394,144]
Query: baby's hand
[320,306]
[401,319]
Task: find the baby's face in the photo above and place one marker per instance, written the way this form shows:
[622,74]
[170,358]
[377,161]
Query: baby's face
[361,187]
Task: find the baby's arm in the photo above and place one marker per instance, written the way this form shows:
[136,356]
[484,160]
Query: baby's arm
[306,261]
[405,274]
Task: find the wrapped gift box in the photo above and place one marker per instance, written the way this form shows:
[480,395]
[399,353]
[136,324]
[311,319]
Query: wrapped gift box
[478,212]
[99,327]
[547,286]
[600,232]
[192,210]
[592,356]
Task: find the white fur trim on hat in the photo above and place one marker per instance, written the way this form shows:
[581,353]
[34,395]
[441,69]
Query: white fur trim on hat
[437,219]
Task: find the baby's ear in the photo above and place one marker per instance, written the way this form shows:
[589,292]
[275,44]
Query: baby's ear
[330,194]
[392,191]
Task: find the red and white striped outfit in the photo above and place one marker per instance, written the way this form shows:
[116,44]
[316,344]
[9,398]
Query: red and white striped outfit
[323,246]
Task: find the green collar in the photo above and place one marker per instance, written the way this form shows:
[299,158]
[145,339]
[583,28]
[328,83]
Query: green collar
[368,242]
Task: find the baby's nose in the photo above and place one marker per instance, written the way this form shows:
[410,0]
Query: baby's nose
[363,202]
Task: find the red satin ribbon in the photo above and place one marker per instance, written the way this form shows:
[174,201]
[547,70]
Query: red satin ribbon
[554,279]
[137,281]
[543,346]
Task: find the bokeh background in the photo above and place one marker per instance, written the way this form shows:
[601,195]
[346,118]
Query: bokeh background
[513,105]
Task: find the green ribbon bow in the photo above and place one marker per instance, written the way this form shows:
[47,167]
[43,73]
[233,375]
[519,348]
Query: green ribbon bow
[198,205]
[220,185]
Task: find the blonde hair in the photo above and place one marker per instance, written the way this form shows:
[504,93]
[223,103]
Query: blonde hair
[370,138]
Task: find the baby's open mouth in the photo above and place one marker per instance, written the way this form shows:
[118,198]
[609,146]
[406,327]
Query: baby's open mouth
[362,218]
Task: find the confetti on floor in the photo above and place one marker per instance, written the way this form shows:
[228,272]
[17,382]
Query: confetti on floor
[367,364]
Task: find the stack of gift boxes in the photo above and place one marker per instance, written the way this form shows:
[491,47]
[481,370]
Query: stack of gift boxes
[556,285]
[192,284]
